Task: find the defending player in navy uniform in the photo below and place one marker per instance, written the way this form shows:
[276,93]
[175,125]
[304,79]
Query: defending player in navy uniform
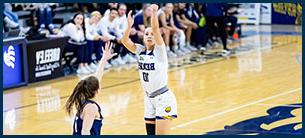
[88,119]
[160,103]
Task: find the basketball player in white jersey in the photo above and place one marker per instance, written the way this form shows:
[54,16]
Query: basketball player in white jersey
[159,102]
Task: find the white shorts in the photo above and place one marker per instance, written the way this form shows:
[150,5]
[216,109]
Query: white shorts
[163,106]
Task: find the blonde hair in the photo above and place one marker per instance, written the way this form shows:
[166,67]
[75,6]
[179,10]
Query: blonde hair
[96,13]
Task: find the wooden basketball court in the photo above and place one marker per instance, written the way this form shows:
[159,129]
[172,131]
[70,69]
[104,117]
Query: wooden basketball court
[257,90]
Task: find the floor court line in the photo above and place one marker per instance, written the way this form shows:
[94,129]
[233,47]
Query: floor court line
[279,105]
[234,109]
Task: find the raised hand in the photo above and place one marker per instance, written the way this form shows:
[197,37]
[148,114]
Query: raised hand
[130,19]
[107,54]
[107,51]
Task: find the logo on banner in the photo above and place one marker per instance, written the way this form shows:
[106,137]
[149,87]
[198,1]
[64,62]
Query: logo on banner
[9,57]
[46,61]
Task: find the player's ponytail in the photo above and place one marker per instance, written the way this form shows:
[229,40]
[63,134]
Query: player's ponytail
[84,90]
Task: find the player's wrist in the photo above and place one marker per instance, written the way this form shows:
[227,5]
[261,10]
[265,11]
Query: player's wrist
[129,29]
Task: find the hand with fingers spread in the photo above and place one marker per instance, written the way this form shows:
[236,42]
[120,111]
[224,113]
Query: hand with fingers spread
[107,51]
[130,19]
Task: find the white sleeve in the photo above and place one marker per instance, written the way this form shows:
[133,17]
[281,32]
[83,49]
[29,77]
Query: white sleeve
[139,48]
[104,30]
[107,13]
[160,52]
[89,34]
[72,32]
[89,31]
[124,25]
[117,28]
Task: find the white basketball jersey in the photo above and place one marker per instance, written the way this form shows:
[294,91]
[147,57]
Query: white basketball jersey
[153,66]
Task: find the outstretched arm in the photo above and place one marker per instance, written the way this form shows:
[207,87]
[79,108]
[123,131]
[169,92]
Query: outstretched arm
[126,40]
[107,54]
[155,25]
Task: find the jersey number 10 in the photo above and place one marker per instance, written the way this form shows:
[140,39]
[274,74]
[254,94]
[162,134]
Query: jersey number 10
[145,76]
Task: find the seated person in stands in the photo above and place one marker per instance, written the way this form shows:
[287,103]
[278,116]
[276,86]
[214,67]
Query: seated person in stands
[95,41]
[75,29]
[121,20]
[168,29]
[110,5]
[182,18]
[45,16]
[141,21]
[10,19]
[108,26]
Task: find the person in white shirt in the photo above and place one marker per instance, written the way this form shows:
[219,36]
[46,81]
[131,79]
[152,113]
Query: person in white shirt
[110,6]
[95,41]
[108,26]
[121,20]
[77,44]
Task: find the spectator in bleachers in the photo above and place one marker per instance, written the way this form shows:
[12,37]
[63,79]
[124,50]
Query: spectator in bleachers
[110,5]
[121,18]
[108,27]
[122,26]
[142,21]
[231,19]
[10,19]
[45,16]
[183,23]
[192,14]
[75,29]
[168,28]
[165,18]
[95,41]
[214,14]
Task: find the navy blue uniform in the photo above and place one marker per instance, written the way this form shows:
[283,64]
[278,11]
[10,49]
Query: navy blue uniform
[78,122]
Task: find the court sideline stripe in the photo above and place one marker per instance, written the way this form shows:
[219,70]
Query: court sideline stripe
[234,109]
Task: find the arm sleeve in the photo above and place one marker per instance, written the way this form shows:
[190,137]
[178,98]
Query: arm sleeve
[118,32]
[104,30]
[123,27]
[72,32]
[89,32]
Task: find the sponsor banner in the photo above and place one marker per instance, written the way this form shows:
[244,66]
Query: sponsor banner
[44,59]
[286,13]
[14,65]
